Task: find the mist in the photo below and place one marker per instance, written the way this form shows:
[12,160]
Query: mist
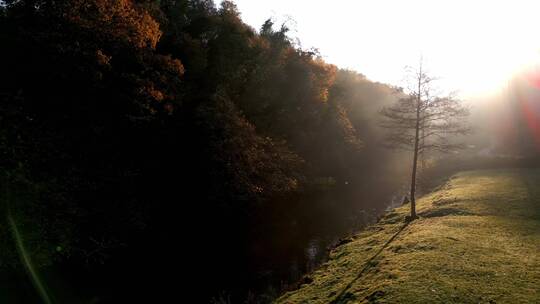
[158,150]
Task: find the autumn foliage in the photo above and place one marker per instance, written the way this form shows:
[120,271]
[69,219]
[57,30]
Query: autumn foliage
[132,121]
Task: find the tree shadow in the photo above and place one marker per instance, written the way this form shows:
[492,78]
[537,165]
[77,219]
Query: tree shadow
[343,295]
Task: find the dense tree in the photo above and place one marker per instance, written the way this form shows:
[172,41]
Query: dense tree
[124,124]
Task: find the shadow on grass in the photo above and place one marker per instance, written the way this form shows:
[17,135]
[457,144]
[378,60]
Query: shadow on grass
[440,212]
[534,196]
[343,295]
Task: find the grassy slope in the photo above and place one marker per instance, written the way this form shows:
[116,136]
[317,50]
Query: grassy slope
[477,241]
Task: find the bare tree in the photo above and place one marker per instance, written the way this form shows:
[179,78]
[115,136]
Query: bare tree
[423,120]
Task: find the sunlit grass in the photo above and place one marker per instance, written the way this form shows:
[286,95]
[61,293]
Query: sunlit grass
[477,241]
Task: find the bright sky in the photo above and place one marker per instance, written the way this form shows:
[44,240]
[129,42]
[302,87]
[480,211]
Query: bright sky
[473,46]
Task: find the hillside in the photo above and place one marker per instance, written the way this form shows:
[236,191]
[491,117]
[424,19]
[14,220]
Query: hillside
[477,241]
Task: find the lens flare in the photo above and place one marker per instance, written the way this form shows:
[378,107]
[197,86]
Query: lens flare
[27,261]
[529,101]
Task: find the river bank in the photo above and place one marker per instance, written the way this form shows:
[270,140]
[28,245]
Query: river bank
[477,241]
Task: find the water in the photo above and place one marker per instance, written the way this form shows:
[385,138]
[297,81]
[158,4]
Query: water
[284,251]
[214,260]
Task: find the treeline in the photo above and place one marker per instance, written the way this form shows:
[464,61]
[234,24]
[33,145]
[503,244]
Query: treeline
[133,132]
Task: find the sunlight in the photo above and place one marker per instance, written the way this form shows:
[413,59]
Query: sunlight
[270,151]
[474,47]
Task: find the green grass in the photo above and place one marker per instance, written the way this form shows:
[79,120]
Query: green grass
[477,241]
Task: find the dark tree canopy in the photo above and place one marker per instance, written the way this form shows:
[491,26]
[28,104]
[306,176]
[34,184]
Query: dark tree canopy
[124,124]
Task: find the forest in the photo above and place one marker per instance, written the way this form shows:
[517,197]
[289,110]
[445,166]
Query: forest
[149,149]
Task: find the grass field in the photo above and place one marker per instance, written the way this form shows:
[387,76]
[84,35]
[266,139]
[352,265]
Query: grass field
[477,241]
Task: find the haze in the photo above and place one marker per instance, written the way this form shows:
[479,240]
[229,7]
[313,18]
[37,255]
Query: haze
[204,152]
[474,47]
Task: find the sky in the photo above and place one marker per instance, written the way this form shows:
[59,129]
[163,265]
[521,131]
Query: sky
[473,47]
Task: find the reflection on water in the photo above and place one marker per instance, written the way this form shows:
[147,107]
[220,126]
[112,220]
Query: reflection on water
[297,245]
[313,253]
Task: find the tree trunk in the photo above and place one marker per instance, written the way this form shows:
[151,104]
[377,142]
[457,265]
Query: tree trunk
[413,178]
[416,142]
